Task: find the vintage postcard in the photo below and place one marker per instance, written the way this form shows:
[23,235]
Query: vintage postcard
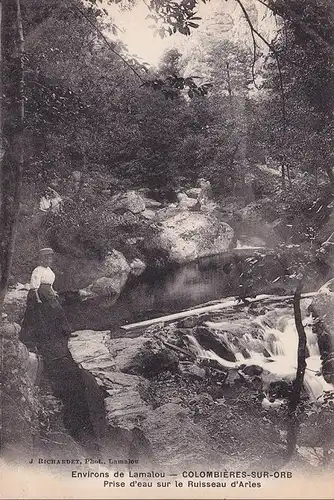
[166,249]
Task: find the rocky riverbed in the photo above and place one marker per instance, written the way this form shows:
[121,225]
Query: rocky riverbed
[192,392]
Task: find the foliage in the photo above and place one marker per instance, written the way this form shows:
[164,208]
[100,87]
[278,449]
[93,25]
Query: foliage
[90,229]
[301,138]
[320,415]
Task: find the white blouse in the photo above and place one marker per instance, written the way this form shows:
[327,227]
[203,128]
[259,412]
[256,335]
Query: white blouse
[41,275]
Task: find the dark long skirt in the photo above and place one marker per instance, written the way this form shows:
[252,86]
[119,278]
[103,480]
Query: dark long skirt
[45,328]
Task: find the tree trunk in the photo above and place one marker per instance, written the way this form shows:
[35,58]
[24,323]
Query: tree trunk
[329,172]
[2,151]
[283,176]
[288,172]
[293,423]
[12,133]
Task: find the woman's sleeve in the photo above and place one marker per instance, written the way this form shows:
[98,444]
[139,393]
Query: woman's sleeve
[35,279]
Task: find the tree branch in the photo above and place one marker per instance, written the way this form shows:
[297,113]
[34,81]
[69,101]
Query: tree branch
[286,12]
[299,380]
[106,41]
[270,46]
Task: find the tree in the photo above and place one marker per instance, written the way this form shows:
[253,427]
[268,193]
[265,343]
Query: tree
[11,133]
[174,17]
[306,70]
[293,421]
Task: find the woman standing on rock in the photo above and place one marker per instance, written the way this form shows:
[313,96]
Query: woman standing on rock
[45,327]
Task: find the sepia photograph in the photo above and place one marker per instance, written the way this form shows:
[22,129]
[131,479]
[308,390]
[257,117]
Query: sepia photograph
[166,249]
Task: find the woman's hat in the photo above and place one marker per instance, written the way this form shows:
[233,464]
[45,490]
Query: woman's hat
[46,251]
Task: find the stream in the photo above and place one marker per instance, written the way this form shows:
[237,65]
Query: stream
[281,342]
[160,292]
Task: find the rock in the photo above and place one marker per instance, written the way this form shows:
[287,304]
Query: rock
[15,302]
[90,351]
[194,371]
[137,267]
[116,272]
[18,397]
[127,202]
[103,287]
[236,329]
[327,370]
[175,440]
[186,236]
[119,382]
[141,356]
[245,353]
[193,192]
[210,341]
[149,203]
[126,409]
[185,202]
[115,264]
[75,273]
[322,308]
[252,370]
[266,353]
[189,322]
[202,399]
[60,446]
[33,367]
[148,214]
[205,195]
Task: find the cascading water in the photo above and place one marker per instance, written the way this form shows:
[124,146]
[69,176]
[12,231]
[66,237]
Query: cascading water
[280,341]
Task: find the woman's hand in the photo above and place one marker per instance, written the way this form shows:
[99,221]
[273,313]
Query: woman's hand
[38,300]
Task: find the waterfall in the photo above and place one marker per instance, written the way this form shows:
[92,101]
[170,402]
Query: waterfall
[201,353]
[280,341]
[240,245]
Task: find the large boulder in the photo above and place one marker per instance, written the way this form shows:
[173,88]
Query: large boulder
[127,202]
[105,357]
[186,235]
[116,270]
[116,266]
[141,356]
[15,301]
[76,273]
[19,399]
[163,435]
[212,342]
[124,405]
